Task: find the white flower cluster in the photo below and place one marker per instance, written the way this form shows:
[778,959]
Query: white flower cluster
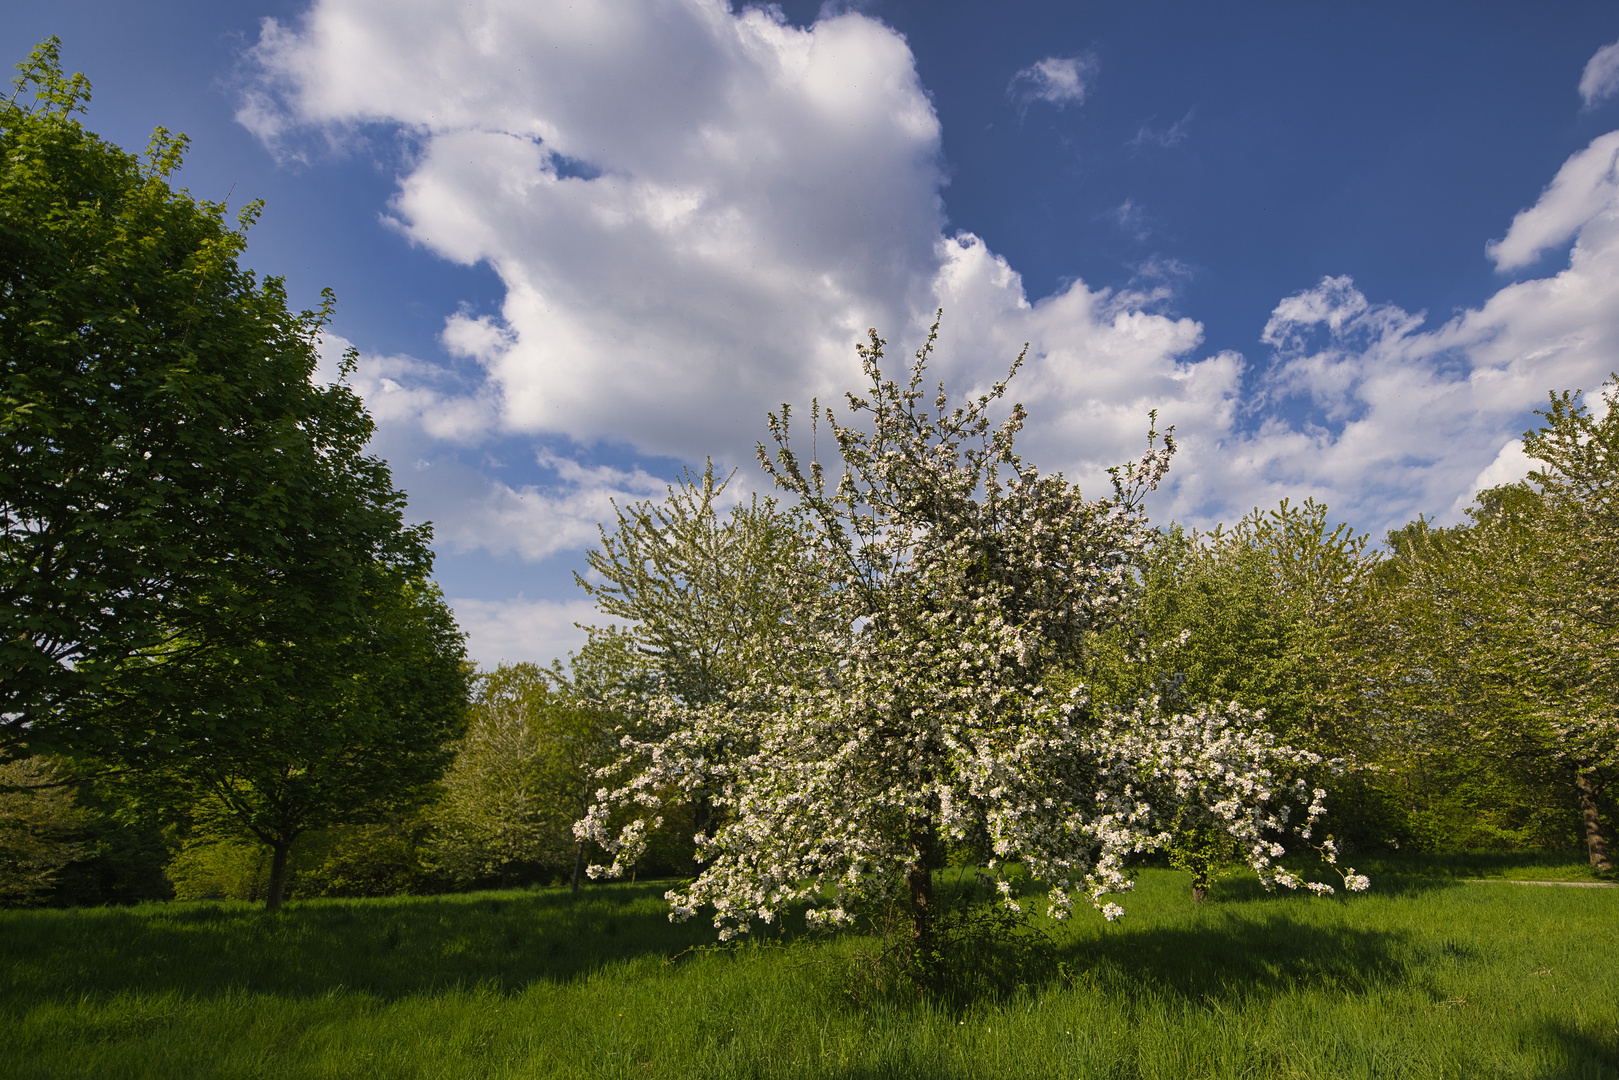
[906,707]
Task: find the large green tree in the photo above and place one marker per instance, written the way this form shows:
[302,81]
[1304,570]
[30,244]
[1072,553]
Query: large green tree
[206,580]
[175,491]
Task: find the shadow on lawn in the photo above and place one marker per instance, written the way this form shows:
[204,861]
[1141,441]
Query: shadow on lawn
[1579,1055]
[1242,958]
[389,948]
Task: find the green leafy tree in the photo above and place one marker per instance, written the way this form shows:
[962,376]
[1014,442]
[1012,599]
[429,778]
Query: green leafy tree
[357,728]
[1577,604]
[1449,724]
[1498,669]
[522,775]
[175,492]
[1260,614]
[693,589]
[205,577]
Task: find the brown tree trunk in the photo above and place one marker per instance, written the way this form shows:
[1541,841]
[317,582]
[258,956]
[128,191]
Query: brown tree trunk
[278,875]
[578,865]
[1594,840]
[919,882]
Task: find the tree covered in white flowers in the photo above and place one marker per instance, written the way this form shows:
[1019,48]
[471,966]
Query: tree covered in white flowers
[902,705]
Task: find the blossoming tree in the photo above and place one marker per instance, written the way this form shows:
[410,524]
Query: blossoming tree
[904,705]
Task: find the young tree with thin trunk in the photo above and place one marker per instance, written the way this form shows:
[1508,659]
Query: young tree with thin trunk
[359,727]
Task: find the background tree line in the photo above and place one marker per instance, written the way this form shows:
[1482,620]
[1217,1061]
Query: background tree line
[224,669]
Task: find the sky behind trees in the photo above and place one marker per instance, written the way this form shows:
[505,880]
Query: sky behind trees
[1345,252]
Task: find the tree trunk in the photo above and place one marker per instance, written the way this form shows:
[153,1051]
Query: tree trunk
[578,865]
[1594,840]
[278,875]
[919,881]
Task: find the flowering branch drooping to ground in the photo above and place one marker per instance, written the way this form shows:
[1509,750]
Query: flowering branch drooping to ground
[907,707]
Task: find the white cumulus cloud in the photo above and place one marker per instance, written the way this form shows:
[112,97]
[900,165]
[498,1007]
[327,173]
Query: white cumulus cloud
[1600,80]
[518,630]
[695,214]
[1583,189]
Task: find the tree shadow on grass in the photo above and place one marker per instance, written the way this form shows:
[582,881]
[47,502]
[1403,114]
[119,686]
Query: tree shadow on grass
[1577,1054]
[388,948]
[1241,958]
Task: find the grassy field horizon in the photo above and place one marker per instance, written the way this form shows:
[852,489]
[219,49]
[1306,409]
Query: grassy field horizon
[1429,975]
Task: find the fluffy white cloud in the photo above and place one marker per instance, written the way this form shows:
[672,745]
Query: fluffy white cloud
[519,630]
[1583,189]
[1600,80]
[1057,80]
[763,195]
[696,213]
[1404,420]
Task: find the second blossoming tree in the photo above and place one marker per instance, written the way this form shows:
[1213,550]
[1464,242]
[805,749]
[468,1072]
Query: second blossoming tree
[904,705]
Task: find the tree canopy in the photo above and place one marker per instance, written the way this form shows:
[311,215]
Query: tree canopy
[204,577]
[902,707]
[175,490]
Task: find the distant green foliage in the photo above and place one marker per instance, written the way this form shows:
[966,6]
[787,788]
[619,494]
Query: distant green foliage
[1492,680]
[213,867]
[520,779]
[1255,614]
[41,828]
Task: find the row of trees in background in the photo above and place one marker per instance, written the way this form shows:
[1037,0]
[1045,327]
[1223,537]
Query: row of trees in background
[224,669]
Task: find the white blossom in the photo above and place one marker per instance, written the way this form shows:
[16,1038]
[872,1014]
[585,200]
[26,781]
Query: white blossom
[901,705]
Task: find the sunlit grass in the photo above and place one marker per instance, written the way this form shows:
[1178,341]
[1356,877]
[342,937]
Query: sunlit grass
[1425,977]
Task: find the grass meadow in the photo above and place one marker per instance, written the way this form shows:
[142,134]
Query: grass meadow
[1429,975]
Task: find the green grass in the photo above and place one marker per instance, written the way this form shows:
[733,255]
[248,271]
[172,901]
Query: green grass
[1425,977]
[1472,865]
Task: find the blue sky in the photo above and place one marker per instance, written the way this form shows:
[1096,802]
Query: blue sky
[1346,250]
